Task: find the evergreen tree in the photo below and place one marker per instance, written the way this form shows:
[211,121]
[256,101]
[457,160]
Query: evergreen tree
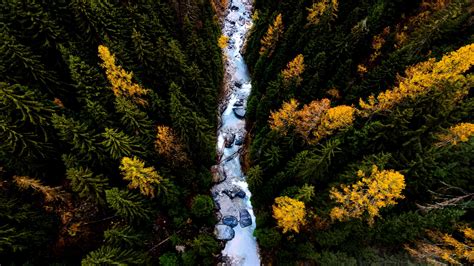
[118,144]
[128,205]
[86,184]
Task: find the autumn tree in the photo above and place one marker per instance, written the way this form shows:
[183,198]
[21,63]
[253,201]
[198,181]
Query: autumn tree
[121,80]
[366,197]
[273,34]
[49,194]
[439,248]
[458,133]
[321,7]
[314,121]
[424,77]
[289,214]
[293,70]
[141,177]
[168,145]
[223,41]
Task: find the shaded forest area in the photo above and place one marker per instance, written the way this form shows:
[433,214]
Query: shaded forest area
[361,131]
[107,130]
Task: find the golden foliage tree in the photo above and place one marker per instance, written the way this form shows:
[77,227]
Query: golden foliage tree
[367,196]
[167,144]
[271,37]
[285,117]
[313,121]
[440,248]
[222,41]
[426,76]
[457,133]
[141,177]
[289,214]
[50,194]
[120,79]
[293,70]
[318,9]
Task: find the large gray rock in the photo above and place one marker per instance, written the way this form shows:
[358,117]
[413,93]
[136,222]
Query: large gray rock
[230,221]
[224,232]
[245,218]
[239,140]
[229,140]
[239,112]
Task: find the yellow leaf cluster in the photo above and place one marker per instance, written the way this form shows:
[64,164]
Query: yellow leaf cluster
[284,118]
[317,10]
[271,37]
[294,69]
[368,195]
[457,133]
[168,145]
[120,79]
[141,177]
[289,214]
[222,41]
[377,43]
[442,248]
[424,77]
[314,121]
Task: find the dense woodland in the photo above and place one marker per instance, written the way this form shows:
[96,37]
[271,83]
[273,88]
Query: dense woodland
[107,130]
[360,118]
[359,148]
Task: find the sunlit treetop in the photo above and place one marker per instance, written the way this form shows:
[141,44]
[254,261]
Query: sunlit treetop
[318,9]
[271,37]
[294,69]
[456,134]
[120,79]
[367,196]
[425,76]
[289,214]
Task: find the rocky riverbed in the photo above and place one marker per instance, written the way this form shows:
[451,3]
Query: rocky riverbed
[231,193]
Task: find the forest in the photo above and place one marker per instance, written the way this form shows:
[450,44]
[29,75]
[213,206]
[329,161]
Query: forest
[360,127]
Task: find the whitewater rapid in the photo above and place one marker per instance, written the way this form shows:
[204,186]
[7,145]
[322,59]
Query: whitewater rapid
[231,193]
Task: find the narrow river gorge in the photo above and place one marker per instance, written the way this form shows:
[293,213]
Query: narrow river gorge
[231,194]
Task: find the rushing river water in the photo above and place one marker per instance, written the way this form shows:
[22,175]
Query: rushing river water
[231,193]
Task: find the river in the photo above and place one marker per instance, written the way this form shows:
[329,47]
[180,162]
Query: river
[231,193]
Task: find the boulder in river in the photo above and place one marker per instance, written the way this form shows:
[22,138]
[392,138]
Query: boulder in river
[245,218]
[234,192]
[238,84]
[239,140]
[241,194]
[218,174]
[239,102]
[229,139]
[230,221]
[239,112]
[224,232]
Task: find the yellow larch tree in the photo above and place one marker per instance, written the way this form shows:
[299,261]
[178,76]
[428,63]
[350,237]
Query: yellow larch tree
[121,80]
[457,133]
[271,37]
[284,118]
[314,121]
[167,144]
[293,70]
[426,76]
[309,118]
[222,41]
[50,194]
[439,248]
[141,177]
[334,119]
[367,196]
[289,214]
[318,9]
